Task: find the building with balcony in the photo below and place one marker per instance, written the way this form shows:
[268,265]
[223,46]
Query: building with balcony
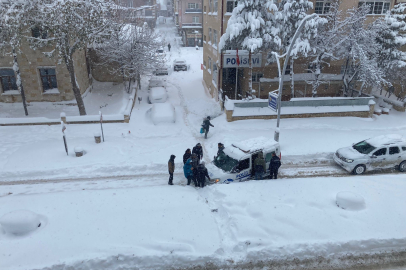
[188,19]
[220,74]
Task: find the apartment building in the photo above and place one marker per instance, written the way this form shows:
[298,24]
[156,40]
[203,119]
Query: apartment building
[140,11]
[188,19]
[43,78]
[220,74]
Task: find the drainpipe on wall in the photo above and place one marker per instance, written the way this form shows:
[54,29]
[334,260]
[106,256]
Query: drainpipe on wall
[220,70]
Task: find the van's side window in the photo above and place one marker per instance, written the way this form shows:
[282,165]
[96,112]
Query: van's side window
[394,150]
[268,157]
[380,152]
[244,164]
[404,148]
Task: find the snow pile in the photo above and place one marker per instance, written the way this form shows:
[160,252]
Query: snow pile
[20,222]
[163,113]
[350,201]
[253,144]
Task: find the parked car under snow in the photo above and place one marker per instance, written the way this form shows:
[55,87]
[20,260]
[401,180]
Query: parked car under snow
[382,152]
[163,113]
[157,95]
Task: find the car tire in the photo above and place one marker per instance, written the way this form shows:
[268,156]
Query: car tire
[359,169]
[402,166]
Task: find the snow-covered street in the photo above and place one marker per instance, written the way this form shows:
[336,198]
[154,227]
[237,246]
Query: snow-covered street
[134,224]
[113,209]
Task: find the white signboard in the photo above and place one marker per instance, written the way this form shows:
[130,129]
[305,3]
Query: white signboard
[230,60]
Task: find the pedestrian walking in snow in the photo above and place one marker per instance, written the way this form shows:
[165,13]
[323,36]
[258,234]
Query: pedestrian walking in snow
[274,166]
[260,166]
[188,172]
[171,168]
[187,155]
[202,173]
[206,126]
[169,47]
[198,150]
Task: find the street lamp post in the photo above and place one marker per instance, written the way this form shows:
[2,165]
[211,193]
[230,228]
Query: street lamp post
[287,56]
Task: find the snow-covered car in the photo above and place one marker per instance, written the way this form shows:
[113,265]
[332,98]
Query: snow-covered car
[382,152]
[161,71]
[163,113]
[236,163]
[179,64]
[157,95]
[156,82]
[160,51]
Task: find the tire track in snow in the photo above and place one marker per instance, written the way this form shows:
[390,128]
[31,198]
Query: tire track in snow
[186,112]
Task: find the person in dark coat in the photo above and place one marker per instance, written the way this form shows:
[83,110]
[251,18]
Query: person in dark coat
[171,168]
[188,172]
[198,150]
[169,47]
[206,125]
[195,163]
[274,166]
[202,173]
[260,166]
[220,148]
[187,155]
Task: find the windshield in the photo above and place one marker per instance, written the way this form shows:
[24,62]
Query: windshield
[225,163]
[363,147]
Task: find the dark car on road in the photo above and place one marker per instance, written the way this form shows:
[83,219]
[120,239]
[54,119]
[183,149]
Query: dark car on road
[179,64]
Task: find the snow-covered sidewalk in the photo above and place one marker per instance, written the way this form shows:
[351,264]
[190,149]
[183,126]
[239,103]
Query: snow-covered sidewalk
[100,225]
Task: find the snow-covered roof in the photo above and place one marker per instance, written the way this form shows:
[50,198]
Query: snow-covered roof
[304,77]
[386,140]
[240,149]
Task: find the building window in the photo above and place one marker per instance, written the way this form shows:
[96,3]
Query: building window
[196,19]
[215,5]
[256,76]
[130,3]
[231,4]
[204,64]
[214,37]
[8,79]
[210,5]
[204,37]
[192,6]
[209,62]
[322,6]
[376,7]
[37,32]
[204,8]
[148,12]
[214,74]
[48,78]
[209,34]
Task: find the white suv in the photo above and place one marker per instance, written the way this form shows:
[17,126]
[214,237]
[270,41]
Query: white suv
[381,152]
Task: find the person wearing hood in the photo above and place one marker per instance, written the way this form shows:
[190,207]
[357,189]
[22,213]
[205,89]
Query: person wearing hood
[220,148]
[206,125]
[274,166]
[171,168]
[198,150]
[195,163]
[187,155]
[202,173]
[188,172]
[260,166]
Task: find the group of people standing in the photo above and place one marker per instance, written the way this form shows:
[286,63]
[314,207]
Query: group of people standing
[260,166]
[194,168]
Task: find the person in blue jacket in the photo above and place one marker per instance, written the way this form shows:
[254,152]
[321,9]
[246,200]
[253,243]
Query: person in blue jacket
[187,170]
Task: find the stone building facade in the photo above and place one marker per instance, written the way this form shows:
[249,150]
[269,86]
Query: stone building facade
[219,68]
[43,78]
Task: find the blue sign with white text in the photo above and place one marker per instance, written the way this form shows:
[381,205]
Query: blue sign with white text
[273,101]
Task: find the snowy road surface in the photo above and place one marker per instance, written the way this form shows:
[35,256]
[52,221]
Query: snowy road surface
[130,224]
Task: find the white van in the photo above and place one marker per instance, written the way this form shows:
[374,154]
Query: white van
[236,163]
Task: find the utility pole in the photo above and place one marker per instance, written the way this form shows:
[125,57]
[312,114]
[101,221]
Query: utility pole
[287,56]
